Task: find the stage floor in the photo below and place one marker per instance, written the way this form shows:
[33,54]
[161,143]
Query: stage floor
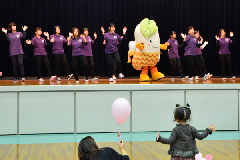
[104,80]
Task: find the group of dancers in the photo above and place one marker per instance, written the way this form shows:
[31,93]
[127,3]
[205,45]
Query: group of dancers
[82,52]
[193,44]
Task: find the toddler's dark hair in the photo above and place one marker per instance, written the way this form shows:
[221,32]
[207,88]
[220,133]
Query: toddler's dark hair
[182,113]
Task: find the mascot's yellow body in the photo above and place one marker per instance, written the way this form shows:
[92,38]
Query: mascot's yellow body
[146,50]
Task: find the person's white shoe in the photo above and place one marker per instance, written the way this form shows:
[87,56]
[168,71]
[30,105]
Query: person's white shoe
[210,75]
[205,77]
[233,77]
[41,80]
[58,79]
[121,75]
[70,76]
[94,78]
[111,79]
[23,79]
[114,78]
[223,78]
[77,81]
[190,79]
[186,77]
[172,79]
[52,78]
[197,78]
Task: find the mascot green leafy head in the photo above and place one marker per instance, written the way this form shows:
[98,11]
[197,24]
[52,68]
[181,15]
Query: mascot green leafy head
[148,27]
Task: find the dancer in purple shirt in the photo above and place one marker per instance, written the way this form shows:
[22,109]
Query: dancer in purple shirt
[40,53]
[190,51]
[77,42]
[15,48]
[199,56]
[173,54]
[87,48]
[111,41]
[224,53]
[58,52]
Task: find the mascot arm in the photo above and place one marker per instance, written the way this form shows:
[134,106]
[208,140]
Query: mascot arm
[131,53]
[163,46]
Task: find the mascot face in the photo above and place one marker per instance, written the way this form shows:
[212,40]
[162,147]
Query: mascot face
[147,36]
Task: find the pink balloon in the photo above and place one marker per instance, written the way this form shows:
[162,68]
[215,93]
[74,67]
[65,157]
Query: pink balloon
[121,110]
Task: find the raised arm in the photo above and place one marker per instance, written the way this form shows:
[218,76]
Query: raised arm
[24,32]
[69,38]
[208,131]
[4,30]
[232,38]
[169,140]
[103,32]
[200,42]
[47,44]
[217,43]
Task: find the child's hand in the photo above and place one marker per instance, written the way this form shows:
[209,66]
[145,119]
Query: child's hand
[158,135]
[212,127]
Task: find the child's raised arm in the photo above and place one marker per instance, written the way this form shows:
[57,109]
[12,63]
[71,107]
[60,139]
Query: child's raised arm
[208,131]
[169,140]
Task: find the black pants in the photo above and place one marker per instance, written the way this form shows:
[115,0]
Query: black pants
[17,60]
[42,59]
[90,61]
[113,58]
[202,65]
[225,58]
[176,63]
[57,58]
[191,60]
[83,61]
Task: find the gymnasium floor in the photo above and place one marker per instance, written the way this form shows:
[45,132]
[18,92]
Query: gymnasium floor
[223,145]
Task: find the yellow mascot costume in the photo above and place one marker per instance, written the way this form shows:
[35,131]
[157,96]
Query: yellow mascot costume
[146,50]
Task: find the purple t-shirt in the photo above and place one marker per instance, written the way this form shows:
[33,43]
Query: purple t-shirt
[224,45]
[198,51]
[57,45]
[87,48]
[15,45]
[190,48]
[112,40]
[173,48]
[39,45]
[77,46]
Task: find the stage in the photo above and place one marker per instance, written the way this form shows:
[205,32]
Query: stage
[104,81]
[33,107]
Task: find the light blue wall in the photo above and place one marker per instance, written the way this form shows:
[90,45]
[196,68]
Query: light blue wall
[87,108]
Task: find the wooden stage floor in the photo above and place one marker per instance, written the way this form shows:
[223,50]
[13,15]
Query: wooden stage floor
[143,150]
[104,80]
